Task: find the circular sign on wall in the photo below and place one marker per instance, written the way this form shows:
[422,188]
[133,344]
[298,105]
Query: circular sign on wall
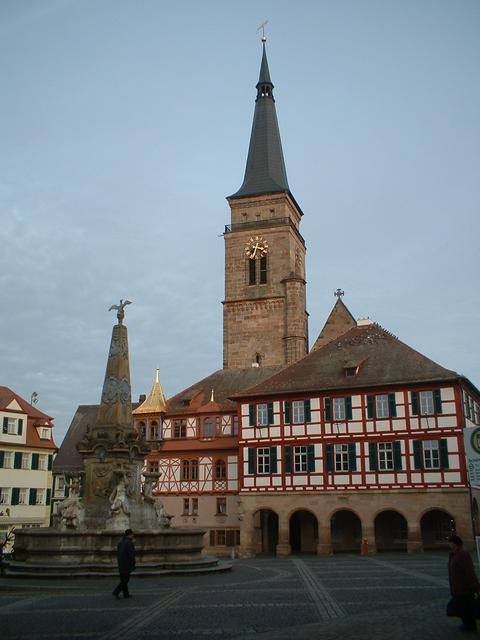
[475,440]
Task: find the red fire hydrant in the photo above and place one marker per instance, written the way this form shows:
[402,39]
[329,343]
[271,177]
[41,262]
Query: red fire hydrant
[365,547]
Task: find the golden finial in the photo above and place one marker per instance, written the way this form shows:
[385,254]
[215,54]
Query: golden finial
[211,397]
[157,378]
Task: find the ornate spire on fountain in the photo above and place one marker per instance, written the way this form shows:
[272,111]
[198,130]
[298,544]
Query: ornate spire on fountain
[113,452]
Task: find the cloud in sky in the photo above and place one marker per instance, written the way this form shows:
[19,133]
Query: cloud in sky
[123,128]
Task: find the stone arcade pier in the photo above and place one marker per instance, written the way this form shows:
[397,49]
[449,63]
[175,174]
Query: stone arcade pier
[108,497]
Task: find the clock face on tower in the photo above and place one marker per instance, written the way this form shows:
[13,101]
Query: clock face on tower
[256,248]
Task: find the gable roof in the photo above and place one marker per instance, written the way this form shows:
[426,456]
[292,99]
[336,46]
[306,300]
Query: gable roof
[6,397]
[381,357]
[338,322]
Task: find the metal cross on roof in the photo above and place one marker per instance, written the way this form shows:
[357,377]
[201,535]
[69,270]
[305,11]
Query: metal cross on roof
[339,293]
[262,27]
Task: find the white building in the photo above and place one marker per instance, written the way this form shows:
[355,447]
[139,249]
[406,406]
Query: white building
[26,455]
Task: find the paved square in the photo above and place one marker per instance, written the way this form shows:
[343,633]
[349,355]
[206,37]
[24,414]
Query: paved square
[345,596]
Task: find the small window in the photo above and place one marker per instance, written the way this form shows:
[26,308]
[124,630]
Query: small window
[431,453]
[341,457]
[186,506]
[8,460]
[180,428]
[26,461]
[185,469]
[262,414]
[382,407]
[298,407]
[339,409]
[300,459]
[426,403]
[11,426]
[45,434]
[193,469]
[4,495]
[235,425]
[350,372]
[221,506]
[220,470]
[42,462]
[23,496]
[194,506]
[208,428]
[263,460]
[385,456]
[40,496]
[221,537]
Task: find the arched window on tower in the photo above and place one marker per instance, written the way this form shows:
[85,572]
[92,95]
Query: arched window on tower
[154,430]
[257,271]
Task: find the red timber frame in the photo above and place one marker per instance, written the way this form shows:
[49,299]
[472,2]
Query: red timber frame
[416,428]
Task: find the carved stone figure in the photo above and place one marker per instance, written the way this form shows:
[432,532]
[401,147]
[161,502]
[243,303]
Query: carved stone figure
[71,513]
[164,520]
[118,499]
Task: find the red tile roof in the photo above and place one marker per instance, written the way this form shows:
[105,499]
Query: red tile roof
[6,397]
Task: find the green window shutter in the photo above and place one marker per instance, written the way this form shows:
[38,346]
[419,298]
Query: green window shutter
[288,459]
[20,426]
[418,454]
[397,455]
[443,454]
[49,465]
[15,495]
[34,460]
[372,454]
[287,409]
[437,400]
[49,495]
[329,457]
[370,407]
[308,411]
[414,395]
[392,405]
[328,409]
[251,460]
[270,412]
[348,407]
[2,458]
[5,425]
[17,460]
[251,415]
[310,458]
[33,497]
[352,456]
[273,459]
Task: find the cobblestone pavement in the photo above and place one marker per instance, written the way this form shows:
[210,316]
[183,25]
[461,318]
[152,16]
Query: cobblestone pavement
[387,596]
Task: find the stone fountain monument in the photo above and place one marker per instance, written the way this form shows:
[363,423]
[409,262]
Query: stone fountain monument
[108,497]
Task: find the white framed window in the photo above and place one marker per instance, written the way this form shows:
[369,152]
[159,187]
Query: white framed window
[298,408]
[382,408]
[8,460]
[262,414]
[23,496]
[42,462]
[300,459]
[4,495]
[426,403]
[339,409]
[12,426]
[45,435]
[431,454]
[26,460]
[341,457]
[385,456]
[263,460]
[40,496]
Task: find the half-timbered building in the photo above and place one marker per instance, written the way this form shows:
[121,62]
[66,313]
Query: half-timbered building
[360,442]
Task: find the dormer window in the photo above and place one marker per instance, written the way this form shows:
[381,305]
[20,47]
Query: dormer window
[45,434]
[350,372]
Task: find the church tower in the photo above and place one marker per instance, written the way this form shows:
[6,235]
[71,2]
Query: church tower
[264,311]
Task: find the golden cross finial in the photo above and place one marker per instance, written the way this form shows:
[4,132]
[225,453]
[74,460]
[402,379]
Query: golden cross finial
[211,397]
[157,375]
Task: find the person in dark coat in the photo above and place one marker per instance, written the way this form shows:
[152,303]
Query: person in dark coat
[126,563]
[463,582]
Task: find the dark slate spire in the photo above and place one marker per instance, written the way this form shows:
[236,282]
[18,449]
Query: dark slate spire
[265,170]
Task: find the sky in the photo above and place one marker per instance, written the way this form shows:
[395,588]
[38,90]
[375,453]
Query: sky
[124,126]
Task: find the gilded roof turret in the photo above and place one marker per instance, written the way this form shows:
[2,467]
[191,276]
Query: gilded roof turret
[155,401]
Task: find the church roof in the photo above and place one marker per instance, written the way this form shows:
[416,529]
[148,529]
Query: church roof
[338,322]
[378,357]
[155,401]
[265,170]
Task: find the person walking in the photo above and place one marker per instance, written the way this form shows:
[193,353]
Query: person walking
[126,563]
[463,583]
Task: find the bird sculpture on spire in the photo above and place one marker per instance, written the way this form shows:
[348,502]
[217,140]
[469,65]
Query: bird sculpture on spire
[120,309]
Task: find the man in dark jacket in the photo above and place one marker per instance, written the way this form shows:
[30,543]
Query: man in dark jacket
[463,582]
[126,563]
